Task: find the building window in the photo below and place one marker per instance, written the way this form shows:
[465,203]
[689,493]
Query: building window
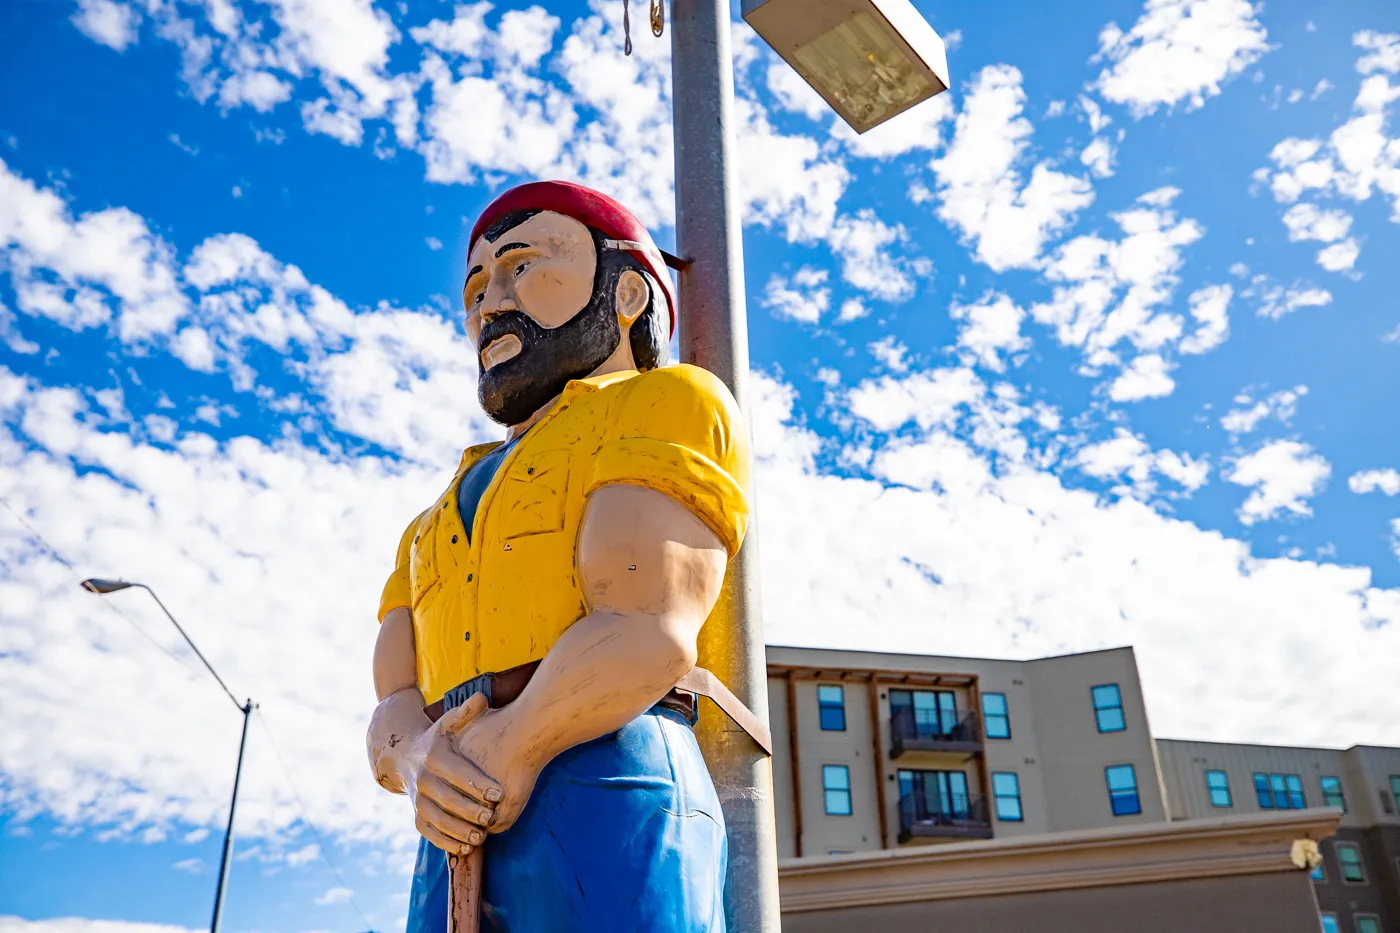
[1332,793]
[996,721]
[939,796]
[1349,858]
[1395,788]
[925,713]
[831,707]
[1122,790]
[1279,791]
[1218,783]
[1006,789]
[1108,708]
[1368,923]
[1329,924]
[836,782]
[1318,873]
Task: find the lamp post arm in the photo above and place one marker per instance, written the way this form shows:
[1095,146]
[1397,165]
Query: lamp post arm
[195,649]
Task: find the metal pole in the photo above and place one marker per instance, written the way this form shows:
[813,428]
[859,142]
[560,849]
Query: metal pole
[714,335]
[214,924]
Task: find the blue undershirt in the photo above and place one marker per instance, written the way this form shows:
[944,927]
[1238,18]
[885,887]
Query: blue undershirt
[479,476]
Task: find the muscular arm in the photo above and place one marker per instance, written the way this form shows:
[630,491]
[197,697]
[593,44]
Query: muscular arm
[399,716]
[651,572]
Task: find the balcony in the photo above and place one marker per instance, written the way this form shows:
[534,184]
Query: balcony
[954,817]
[910,733]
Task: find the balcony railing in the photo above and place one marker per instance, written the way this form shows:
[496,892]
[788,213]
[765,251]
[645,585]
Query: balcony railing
[953,817]
[907,733]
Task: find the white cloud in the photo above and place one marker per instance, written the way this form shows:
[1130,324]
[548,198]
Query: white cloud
[1278,300]
[1359,159]
[979,186]
[929,398]
[11,924]
[335,896]
[852,309]
[1098,157]
[804,297]
[1147,376]
[990,328]
[1284,475]
[1281,405]
[1109,297]
[1307,222]
[890,352]
[862,242]
[1128,457]
[1210,308]
[110,23]
[1179,51]
[1386,481]
[1339,257]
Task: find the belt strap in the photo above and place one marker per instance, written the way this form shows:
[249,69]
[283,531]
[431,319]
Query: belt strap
[703,682]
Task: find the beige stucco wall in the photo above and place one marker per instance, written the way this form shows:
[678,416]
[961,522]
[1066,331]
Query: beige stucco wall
[1364,771]
[1074,754]
[1055,748]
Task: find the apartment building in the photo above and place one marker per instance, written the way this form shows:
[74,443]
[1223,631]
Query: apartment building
[877,751]
[1358,883]
[885,751]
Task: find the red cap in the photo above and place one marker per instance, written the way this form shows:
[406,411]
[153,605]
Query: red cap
[589,207]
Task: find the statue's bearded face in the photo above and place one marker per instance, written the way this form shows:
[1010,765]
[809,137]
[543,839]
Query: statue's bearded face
[536,314]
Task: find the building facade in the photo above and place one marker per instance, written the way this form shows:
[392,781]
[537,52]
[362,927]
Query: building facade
[876,751]
[1358,883]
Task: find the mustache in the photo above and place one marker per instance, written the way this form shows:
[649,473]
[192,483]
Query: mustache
[512,322]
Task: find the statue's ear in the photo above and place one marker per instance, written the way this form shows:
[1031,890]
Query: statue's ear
[632,297]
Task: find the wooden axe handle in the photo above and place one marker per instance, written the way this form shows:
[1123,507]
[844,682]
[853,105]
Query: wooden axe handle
[464,892]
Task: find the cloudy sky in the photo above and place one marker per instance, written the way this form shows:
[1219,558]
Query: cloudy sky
[1099,348]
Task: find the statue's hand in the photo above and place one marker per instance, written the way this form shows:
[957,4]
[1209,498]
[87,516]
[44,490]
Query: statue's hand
[454,799]
[492,742]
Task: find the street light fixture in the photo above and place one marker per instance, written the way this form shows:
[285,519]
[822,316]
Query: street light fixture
[104,587]
[869,59]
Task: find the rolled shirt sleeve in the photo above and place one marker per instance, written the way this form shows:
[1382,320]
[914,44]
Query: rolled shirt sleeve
[678,431]
[397,592]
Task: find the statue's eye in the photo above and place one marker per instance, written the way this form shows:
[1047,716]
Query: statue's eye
[480,297]
[521,268]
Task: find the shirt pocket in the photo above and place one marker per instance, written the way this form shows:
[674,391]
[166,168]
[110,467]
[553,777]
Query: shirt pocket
[533,494]
[423,566]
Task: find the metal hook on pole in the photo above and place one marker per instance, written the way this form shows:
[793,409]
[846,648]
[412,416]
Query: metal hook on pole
[658,17]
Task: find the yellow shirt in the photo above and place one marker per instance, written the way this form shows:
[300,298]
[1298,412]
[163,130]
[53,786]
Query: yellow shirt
[503,598]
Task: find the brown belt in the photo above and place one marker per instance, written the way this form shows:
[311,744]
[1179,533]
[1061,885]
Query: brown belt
[504,687]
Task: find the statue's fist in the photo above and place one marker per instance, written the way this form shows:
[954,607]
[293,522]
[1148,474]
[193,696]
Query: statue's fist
[454,800]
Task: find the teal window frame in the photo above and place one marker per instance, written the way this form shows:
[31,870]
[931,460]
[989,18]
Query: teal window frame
[1218,788]
[836,789]
[1329,923]
[831,707]
[1006,794]
[996,716]
[1332,795]
[1356,862]
[1122,784]
[1367,923]
[1108,708]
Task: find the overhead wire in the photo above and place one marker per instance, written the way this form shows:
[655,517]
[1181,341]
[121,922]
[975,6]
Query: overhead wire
[53,552]
[306,821]
[277,753]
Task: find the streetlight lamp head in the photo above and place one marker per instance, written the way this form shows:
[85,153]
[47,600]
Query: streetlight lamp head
[103,587]
[869,59]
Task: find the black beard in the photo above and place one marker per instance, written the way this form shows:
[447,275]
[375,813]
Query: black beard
[512,391]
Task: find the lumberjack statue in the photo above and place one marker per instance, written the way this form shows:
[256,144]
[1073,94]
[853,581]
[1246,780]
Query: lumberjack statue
[535,662]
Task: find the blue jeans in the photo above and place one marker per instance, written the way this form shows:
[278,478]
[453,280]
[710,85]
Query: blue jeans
[623,833]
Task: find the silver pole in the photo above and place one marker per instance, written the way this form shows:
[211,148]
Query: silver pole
[714,334]
[219,892]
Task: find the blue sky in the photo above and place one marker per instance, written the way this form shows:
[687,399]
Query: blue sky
[1099,348]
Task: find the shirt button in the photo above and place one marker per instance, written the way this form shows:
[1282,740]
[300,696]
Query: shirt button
[469,578]
[454,539]
[468,636]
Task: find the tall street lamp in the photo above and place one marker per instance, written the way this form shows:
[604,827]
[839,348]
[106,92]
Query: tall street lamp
[102,588]
[870,60]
